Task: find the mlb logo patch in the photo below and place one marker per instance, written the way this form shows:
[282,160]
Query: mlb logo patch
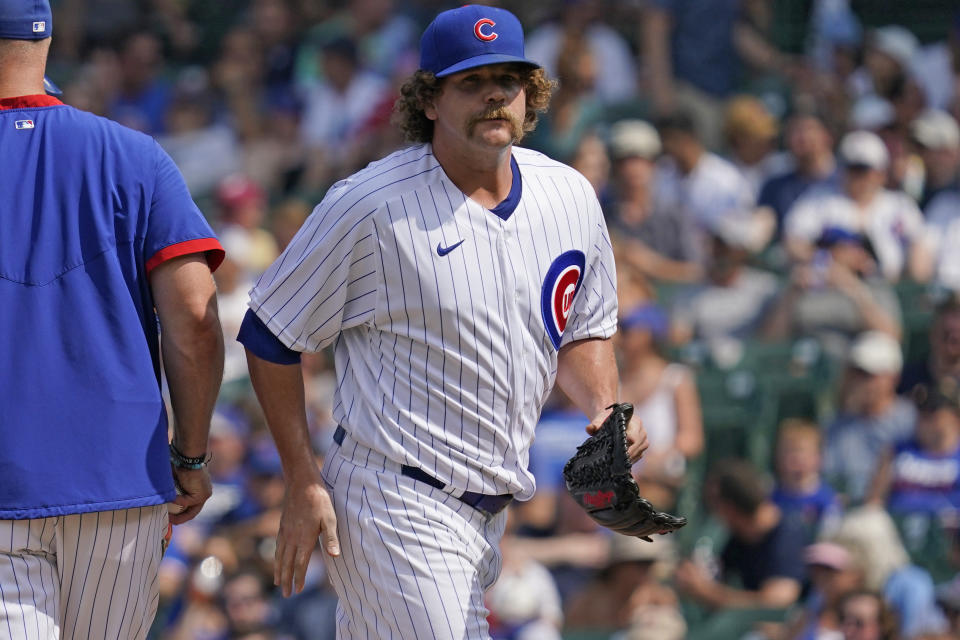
[40,27]
[23,124]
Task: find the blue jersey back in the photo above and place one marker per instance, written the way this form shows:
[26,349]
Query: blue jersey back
[86,208]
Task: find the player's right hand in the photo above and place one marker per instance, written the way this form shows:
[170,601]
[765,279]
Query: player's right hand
[307,515]
[193,489]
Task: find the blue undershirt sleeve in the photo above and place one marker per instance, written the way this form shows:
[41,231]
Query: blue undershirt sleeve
[256,337]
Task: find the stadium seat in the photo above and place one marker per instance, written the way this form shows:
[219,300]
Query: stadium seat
[738,415]
[798,373]
[918,302]
[927,542]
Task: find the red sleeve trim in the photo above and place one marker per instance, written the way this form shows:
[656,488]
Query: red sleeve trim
[210,246]
[25,102]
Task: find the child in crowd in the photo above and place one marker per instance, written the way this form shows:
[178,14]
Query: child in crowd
[800,490]
[922,473]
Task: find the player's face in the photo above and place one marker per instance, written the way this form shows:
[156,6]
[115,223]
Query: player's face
[483,106]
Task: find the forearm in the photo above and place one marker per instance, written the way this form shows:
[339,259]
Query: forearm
[587,373]
[921,264]
[191,345]
[880,485]
[656,28]
[875,317]
[690,436]
[307,508]
[279,389]
[662,268]
[193,362]
[756,51]
[779,320]
[776,593]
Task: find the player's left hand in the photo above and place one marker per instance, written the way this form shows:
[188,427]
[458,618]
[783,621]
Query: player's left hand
[636,435]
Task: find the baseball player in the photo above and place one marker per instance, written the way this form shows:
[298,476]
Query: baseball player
[98,230]
[457,280]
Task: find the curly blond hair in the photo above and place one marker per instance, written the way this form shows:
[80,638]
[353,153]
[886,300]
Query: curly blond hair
[423,87]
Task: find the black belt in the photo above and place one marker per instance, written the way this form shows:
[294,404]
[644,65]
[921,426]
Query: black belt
[490,504]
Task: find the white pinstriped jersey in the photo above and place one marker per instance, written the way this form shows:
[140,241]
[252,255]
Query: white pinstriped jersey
[439,310]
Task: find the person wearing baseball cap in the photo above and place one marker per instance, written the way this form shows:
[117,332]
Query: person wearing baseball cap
[471,38]
[871,416]
[28,20]
[890,219]
[659,242]
[936,136]
[460,255]
[922,473]
[101,243]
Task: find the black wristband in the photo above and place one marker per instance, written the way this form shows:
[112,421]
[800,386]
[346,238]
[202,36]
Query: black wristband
[181,461]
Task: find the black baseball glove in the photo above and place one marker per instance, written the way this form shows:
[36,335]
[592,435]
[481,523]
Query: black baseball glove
[598,477]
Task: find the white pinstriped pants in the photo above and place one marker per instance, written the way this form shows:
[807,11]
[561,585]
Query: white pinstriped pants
[415,561]
[88,576]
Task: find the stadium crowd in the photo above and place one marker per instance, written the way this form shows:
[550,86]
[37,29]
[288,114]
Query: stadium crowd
[780,180]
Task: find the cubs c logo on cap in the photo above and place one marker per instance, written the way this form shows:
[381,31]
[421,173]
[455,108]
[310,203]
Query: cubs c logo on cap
[559,289]
[479,31]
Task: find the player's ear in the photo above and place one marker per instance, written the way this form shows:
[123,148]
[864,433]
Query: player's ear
[429,110]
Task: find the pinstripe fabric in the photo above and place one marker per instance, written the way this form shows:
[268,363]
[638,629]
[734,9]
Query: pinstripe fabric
[81,576]
[415,559]
[443,360]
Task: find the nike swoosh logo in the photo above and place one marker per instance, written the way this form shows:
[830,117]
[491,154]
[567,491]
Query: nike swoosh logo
[442,251]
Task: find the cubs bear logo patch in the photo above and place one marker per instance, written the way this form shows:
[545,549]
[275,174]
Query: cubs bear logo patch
[560,286]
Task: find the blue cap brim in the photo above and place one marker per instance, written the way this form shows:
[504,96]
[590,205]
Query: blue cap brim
[481,61]
[50,88]
[647,316]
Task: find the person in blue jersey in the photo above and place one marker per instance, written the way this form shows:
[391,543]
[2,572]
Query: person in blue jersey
[921,474]
[457,280]
[800,490]
[99,240]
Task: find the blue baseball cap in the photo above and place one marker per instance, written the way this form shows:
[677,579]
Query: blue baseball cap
[647,316]
[471,36]
[832,236]
[25,19]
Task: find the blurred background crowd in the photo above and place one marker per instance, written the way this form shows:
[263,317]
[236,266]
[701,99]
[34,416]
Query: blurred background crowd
[780,179]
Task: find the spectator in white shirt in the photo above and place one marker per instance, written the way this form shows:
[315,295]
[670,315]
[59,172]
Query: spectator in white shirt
[695,182]
[343,100]
[937,139]
[338,107]
[889,219]
[943,237]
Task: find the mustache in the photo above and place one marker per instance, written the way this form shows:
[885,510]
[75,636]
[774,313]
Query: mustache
[495,113]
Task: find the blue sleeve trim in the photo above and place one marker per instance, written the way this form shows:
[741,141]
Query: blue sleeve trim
[256,337]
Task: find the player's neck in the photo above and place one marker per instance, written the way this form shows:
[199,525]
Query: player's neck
[14,89]
[21,70]
[485,178]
